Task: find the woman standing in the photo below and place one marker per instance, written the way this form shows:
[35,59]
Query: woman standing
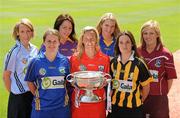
[17,59]
[108,31]
[161,65]
[65,25]
[131,79]
[89,58]
[45,77]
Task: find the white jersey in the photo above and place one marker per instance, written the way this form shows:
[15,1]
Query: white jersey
[16,61]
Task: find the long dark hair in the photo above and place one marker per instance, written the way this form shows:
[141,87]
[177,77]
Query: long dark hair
[60,19]
[134,46]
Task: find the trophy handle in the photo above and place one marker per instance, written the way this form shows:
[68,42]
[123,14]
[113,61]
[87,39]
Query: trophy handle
[108,77]
[69,78]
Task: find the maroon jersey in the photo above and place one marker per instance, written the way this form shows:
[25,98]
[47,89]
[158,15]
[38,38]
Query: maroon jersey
[161,65]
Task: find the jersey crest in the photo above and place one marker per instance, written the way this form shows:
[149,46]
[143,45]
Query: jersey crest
[158,63]
[101,68]
[42,71]
[24,60]
[62,70]
[82,67]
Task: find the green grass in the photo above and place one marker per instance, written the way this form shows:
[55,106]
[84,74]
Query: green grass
[131,14]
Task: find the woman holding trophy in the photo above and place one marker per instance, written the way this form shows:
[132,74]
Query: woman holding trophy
[89,58]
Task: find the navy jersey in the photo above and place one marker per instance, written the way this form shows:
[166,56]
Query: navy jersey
[49,79]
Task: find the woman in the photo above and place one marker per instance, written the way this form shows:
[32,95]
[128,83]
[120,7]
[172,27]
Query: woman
[130,79]
[108,31]
[161,65]
[17,59]
[65,25]
[45,77]
[89,58]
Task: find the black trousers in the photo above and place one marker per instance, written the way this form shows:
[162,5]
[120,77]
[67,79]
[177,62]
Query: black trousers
[20,106]
[120,112]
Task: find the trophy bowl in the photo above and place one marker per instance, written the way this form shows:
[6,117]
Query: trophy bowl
[89,81]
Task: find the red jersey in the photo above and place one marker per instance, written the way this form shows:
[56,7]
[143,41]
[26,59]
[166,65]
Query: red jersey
[100,62]
[161,65]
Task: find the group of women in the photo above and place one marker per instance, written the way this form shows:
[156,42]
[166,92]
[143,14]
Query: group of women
[139,85]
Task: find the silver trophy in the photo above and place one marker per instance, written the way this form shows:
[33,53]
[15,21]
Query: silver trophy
[89,81]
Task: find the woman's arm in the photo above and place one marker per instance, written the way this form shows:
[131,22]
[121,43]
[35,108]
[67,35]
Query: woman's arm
[32,87]
[6,79]
[145,92]
[170,81]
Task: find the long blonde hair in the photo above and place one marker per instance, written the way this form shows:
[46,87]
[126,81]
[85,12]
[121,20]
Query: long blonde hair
[153,25]
[108,16]
[80,46]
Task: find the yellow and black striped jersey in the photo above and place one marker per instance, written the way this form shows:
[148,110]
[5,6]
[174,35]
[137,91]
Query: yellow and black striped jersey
[128,80]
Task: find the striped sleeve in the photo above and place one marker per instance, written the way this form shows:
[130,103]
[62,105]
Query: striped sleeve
[10,60]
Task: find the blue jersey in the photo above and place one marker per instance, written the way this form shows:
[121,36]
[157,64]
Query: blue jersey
[17,61]
[49,79]
[107,49]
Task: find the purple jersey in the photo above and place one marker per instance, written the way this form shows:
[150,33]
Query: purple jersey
[66,49]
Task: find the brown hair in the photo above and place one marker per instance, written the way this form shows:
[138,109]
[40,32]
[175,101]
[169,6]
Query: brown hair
[23,21]
[51,32]
[60,19]
[131,37]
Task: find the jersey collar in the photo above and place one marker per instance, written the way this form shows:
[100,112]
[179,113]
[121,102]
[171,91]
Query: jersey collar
[131,58]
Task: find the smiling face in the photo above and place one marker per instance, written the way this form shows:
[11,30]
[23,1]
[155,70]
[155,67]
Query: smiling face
[125,44]
[150,36]
[51,43]
[24,34]
[89,40]
[108,27]
[65,29]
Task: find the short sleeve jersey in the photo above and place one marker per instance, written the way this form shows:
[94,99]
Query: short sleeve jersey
[16,61]
[127,81]
[49,79]
[161,65]
[107,49]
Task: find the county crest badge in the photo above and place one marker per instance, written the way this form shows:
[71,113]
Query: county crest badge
[82,67]
[42,71]
[158,63]
[101,68]
[62,70]
[24,60]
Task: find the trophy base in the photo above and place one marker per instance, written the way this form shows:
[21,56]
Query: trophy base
[90,99]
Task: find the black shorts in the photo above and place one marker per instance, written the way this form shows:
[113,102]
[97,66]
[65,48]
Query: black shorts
[156,106]
[19,106]
[120,112]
